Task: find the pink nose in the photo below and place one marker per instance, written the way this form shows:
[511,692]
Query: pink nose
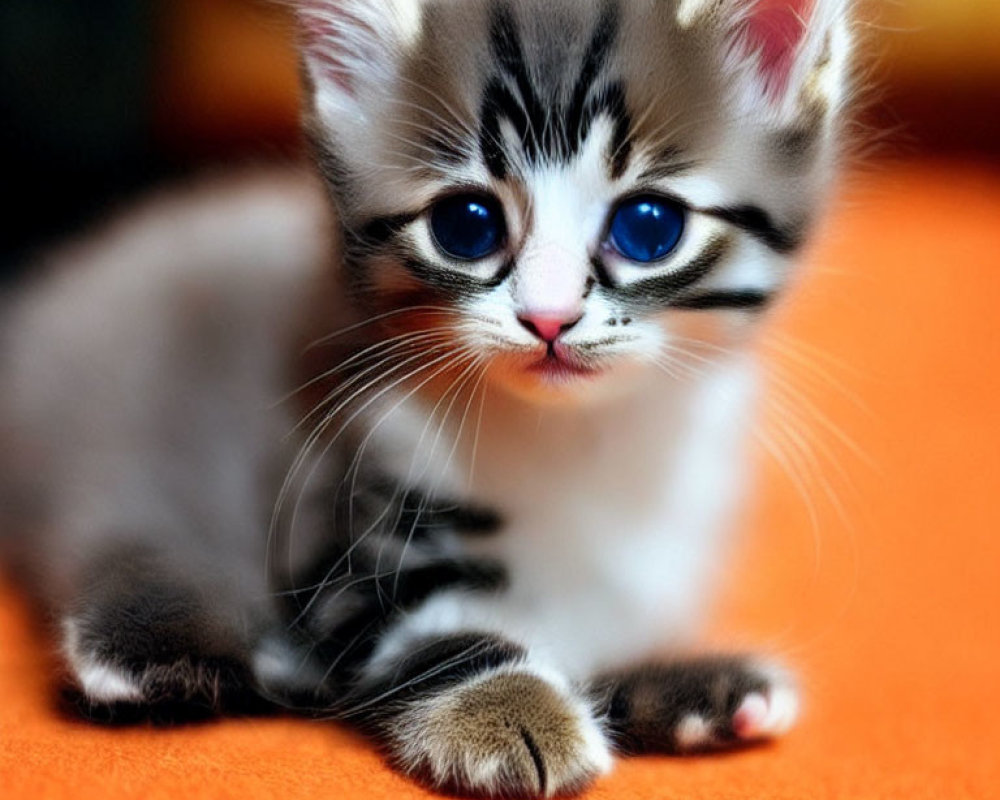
[548,327]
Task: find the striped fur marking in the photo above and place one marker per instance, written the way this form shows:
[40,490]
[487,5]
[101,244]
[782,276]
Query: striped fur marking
[364,583]
[547,128]
[735,300]
[759,224]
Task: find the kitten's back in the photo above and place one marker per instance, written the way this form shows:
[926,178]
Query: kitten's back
[201,285]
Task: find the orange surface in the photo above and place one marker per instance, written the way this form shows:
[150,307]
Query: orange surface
[879,580]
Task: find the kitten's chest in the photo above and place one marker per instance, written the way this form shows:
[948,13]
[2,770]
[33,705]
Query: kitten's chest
[610,517]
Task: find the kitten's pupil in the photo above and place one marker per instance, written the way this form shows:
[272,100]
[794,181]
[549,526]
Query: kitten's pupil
[646,229]
[468,227]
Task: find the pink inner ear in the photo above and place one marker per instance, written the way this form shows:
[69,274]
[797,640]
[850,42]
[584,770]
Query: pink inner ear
[320,43]
[324,27]
[775,29]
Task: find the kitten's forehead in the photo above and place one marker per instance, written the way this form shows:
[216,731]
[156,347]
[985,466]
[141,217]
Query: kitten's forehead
[533,75]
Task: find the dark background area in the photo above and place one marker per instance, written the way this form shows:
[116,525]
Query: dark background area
[76,111]
[105,98]
[102,99]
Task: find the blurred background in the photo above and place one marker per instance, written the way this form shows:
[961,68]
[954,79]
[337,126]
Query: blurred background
[101,99]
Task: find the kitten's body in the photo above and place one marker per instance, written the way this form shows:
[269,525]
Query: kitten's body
[156,426]
[476,529]
[610,572]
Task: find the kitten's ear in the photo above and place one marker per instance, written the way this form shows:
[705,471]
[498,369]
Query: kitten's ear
[791,54]
[351,51]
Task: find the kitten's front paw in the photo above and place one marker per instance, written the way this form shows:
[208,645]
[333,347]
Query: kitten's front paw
[701,704]
[142,640]
[124,676]
[509,734]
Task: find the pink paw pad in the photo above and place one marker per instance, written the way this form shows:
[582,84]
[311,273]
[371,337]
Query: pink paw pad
[762,716]
[750,718]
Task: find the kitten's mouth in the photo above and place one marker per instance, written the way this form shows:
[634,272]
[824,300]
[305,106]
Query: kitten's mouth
[556,365]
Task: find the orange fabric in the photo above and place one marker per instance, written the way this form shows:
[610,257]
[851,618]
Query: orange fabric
[883,589]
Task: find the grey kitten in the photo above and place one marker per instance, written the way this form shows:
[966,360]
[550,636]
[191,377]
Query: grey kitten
[511,324]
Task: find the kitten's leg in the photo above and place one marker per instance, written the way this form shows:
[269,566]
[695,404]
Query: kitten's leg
[472,713]
[696,705]
[416,654]
[142,637]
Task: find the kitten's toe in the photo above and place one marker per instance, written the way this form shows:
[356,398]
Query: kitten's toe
[767,713]
[741,702]
[511,734]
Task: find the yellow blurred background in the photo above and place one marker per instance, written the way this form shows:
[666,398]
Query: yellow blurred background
[942,39]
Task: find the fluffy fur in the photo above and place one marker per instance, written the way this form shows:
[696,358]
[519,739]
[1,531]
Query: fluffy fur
[476,542]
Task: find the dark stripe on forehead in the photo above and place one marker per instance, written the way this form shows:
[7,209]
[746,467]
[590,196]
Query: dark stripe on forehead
[611,101]
[577,124]
[447,148]
[667,162]
[499,103]
[549,128]
[507,50]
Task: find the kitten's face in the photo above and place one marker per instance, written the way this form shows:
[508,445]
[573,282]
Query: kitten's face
[570,191]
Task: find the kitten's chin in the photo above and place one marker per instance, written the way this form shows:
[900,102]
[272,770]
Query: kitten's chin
[546,384]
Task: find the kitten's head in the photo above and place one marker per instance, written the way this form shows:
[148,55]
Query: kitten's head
[572,190]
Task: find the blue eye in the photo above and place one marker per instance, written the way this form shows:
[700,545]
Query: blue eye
[646,228]
[468,226]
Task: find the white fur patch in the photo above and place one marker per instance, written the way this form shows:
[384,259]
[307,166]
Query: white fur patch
[690,12]
[99,681]
[783,711]
[693,731]
[773,712]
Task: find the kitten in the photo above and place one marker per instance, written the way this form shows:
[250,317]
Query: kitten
[513,328]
